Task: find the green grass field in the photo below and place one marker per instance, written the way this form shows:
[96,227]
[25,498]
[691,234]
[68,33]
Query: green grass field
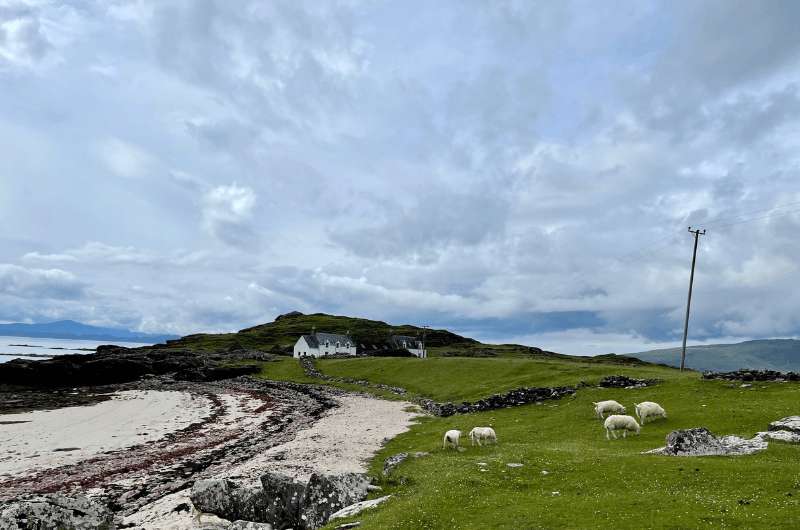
[460,379]
[590,482]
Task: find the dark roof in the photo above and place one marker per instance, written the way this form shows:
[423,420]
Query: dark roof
[397,341]
[319,338]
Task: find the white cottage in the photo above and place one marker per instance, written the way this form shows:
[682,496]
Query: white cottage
[412,344]
[322,344]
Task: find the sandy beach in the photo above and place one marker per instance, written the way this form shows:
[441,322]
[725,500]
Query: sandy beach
[47,439]
[142,449]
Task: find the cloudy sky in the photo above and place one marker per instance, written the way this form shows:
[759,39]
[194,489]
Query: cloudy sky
[516,171]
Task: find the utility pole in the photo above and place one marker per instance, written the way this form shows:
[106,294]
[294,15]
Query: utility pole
[697,234]
[424,352]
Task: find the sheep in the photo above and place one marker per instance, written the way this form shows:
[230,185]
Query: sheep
[617,422]
[610,405]
[451,437]
[648,409]
[482,433]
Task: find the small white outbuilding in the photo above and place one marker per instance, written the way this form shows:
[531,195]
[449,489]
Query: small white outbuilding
[412,344]
[322,344]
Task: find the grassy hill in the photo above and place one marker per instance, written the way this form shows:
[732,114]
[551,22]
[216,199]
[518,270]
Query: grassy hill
[590,482]
[281,334]
[771,354]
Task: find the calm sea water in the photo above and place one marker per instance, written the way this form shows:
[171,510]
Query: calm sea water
[14,347]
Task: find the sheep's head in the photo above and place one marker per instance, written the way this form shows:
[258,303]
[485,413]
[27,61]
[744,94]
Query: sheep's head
[624,410]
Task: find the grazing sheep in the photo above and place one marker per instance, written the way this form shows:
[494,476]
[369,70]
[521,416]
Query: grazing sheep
[617,422]
[648,409]
[482,433]
[601,407]
[451,437]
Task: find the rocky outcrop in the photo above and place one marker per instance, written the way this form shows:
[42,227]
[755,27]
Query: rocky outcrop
[623,381]
[115,364]
[701,442]
[327,494]
[55,511]
[790,423]
[281,501]
[753,375]
[395,460]
[229,500]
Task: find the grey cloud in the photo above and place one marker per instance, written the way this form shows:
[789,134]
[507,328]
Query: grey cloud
[428,224]
[39,283]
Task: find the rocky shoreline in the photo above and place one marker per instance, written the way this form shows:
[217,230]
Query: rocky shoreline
[248,426]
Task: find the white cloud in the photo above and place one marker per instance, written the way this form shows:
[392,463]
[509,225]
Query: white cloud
[502,168]
[41,284]
[227,212]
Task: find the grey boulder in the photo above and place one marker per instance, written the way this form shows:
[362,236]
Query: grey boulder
[230,500]
[55,511]
[327,494]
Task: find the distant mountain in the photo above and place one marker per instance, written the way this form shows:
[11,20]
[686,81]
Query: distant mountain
[768,354]
[69,329]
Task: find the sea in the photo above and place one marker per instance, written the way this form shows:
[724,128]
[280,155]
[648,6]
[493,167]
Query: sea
[41,348]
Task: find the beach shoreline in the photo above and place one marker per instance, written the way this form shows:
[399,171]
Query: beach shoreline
[237,429]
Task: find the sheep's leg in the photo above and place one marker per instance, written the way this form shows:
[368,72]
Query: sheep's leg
[608,437]
[625,433]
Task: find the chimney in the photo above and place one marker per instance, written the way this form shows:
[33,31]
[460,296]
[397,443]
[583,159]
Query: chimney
[313,331]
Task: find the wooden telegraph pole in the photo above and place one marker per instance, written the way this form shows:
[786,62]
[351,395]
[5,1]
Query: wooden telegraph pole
[697,234]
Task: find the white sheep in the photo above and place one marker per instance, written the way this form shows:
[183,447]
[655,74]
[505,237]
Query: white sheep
[648,409]
[451,437]
[618,422]
[601,407]
[482,433]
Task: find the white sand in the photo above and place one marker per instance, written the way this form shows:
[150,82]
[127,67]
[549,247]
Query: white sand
[343,440]
[129,418]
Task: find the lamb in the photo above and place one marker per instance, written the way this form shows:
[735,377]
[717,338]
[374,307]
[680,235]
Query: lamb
[601,407]
[451,437]
[648,409]
[482,433]
[617,422]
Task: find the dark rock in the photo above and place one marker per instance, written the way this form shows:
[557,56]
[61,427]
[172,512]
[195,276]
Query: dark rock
[753,375]
[622,381]
[229,500]
[55,511]
[395,460]
[697,441]
[327,494]
[284,495]
[701,442]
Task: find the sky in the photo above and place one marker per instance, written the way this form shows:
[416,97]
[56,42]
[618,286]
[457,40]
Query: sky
[516,171]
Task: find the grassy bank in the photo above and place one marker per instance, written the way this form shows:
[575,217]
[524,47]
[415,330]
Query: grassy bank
[592,482]
[571,476]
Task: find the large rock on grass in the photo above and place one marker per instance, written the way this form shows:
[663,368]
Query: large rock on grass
[702,442]
[55,511]
[790,423]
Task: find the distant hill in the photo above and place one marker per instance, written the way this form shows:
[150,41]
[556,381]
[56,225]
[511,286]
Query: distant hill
[69,329]
[768,354]
[280,335]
